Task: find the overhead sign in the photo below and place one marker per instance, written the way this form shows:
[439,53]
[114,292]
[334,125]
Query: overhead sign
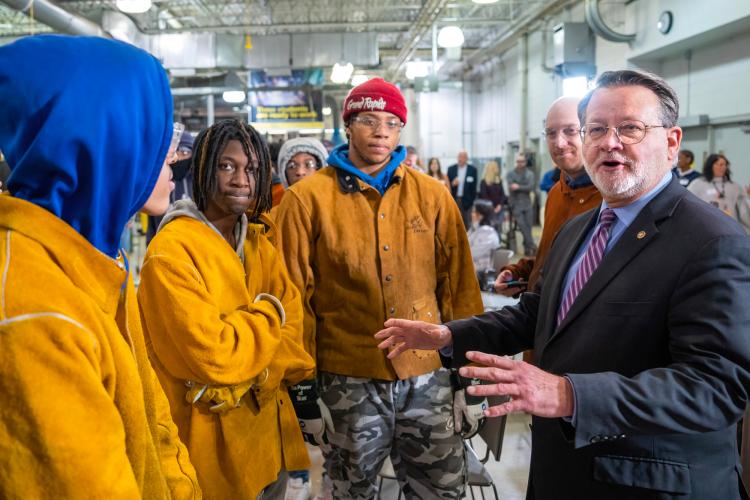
[290,100]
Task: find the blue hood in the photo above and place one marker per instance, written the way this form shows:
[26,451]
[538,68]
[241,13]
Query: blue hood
[86,125]
[339,158]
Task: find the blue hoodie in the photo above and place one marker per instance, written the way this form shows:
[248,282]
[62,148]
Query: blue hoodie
[339,158]
[86,125]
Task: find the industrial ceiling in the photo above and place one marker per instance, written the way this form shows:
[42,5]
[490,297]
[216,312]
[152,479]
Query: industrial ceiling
[403,31]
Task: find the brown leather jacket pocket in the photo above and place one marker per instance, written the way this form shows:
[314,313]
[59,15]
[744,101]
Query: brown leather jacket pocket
[415,361]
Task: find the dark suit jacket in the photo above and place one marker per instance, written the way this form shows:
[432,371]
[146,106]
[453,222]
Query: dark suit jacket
[470,185]
[657,347]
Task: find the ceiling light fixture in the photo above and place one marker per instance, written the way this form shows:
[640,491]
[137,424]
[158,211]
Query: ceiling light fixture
[485,2]
[450,36]
[342,72]
[133,6]
[233,96]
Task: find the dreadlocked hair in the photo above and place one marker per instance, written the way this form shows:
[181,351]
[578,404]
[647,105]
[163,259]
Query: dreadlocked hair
[208,148]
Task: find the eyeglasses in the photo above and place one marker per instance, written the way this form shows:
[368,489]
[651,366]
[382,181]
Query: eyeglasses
[569,132]
[374,124]
[628,132]
[307,165]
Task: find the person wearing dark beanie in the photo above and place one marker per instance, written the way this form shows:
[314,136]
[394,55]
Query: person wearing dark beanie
[366,240]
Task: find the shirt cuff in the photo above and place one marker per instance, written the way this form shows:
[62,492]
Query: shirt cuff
[447,351]
[572,419]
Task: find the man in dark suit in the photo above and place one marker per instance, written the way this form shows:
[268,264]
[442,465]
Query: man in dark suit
[640,323]
[463,179]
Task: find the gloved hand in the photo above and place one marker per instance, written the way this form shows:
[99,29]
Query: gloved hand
[276,303]
[468,410]
[313,415]
[220,398]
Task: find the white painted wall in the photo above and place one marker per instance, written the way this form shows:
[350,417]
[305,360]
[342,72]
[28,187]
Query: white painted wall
[485,117]
[692,18]
[718,79]
[442,129]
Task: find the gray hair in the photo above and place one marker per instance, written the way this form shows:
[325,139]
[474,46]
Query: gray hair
[668,102]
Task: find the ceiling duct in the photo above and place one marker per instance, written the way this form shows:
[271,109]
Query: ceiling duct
[597,24]
[57,18]
[427,17]
[205,50]
[510,37]
[122,28]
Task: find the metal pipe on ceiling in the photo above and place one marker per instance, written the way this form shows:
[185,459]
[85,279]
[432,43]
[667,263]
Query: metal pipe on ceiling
[598,26]
[545,42]
[283,28]
[57,18]
[427,17]
[523,59]
[509,38]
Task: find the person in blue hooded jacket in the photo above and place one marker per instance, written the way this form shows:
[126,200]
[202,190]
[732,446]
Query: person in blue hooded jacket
[87,132]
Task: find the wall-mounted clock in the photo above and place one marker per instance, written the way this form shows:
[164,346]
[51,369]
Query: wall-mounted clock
[665,22]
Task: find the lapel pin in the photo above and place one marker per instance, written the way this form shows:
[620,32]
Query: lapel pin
[641,235]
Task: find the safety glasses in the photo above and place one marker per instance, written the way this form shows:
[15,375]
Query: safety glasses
[177,131]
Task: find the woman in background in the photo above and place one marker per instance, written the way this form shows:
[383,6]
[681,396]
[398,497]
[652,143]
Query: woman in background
[716,187]
[491,189]
[482,236]
[434,170]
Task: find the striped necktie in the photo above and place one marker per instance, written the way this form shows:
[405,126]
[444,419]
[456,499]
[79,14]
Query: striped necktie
[590,261]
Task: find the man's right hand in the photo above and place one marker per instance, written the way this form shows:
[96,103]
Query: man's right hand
[313,415]
[501,288]
[404,334]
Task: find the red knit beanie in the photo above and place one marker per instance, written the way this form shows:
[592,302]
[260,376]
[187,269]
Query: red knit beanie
[375,95]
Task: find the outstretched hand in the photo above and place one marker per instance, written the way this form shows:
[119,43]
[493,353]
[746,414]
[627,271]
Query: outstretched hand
[531,389]
[404,334]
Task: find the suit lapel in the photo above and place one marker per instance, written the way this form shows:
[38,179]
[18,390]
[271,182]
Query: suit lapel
[641,232]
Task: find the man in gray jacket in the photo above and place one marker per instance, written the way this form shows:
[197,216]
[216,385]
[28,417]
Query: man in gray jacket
[521,183]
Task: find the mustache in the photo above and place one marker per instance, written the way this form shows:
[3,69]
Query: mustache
[616,157]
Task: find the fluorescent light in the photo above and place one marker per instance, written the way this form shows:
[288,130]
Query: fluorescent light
[233,96]
[133,6]
[342,72]
[326,110]
[575,86]
[450,36]
[417,69]
[484,1]
[359,79]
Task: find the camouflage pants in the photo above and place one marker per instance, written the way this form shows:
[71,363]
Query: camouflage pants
[406,419]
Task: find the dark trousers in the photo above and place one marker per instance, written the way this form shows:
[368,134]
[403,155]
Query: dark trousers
[465,212]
